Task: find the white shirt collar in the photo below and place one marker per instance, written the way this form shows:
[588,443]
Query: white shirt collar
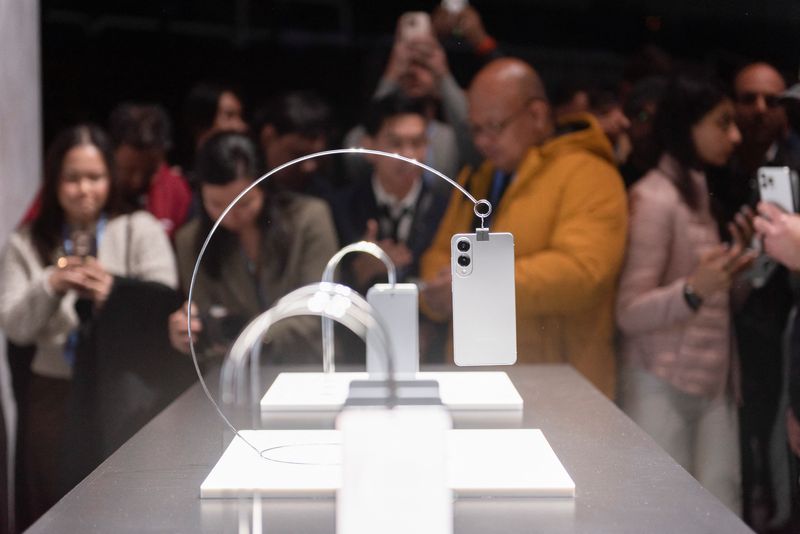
[396,205]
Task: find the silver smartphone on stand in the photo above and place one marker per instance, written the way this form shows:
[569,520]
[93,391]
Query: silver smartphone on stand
[484,302]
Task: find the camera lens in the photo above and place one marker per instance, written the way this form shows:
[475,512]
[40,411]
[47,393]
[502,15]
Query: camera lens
[463,261]
[463,246]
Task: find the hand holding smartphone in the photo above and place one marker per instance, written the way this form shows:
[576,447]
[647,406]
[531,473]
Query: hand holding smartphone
[484,301]
[778,185]
[454,6]
[414,25]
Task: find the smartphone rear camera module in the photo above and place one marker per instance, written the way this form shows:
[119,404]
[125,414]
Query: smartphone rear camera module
[461,255]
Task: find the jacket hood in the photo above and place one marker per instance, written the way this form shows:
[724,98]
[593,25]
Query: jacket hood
[579,132]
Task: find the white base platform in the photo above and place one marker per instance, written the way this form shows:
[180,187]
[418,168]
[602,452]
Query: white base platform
[474,398]
[482,463]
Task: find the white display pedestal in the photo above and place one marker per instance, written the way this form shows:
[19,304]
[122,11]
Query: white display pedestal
[475,399]
[481,463]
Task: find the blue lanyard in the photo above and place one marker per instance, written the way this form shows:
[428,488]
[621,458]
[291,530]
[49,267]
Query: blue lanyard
[500,182]
[71,345]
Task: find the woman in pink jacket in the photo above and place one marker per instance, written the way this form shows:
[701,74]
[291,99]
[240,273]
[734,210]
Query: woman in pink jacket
[673,305]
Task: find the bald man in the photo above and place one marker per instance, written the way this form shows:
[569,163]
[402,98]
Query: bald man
[555,187]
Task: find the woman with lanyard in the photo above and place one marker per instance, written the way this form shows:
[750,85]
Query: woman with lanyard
[59,270]
[269,244]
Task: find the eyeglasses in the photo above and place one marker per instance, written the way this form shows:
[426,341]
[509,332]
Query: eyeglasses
[493,129]
[750,98]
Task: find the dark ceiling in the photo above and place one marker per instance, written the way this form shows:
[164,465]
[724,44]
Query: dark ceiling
[96,53]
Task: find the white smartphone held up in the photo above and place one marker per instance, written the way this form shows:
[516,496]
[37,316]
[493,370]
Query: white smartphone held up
[484,302]
[454,6]
[414,25]
[777,185]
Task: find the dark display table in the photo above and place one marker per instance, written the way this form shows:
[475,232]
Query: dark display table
[624,481]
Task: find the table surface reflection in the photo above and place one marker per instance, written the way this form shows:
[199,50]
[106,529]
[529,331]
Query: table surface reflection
[624,481]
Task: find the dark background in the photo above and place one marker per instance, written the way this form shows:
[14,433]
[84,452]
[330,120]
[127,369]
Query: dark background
[97,53]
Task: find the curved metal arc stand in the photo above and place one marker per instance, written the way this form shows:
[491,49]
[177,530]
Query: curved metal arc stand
[390,362]
[333,301]
[330,301]
[266,176]
[328,349]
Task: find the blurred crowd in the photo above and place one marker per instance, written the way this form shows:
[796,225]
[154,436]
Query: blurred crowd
[644,255]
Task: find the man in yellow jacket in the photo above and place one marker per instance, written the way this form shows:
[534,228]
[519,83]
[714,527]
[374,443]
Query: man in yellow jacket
[555,187]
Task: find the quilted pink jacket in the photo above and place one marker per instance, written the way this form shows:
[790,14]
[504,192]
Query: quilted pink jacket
[660,332]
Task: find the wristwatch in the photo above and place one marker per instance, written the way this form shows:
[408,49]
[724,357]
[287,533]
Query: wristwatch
[692,298]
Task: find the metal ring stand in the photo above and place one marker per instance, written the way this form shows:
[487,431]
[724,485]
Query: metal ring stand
[266,321]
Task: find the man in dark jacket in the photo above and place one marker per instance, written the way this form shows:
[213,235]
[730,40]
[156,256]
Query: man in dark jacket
[392,206]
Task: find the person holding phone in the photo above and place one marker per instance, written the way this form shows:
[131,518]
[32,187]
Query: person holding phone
[760,318]
[59,270]
[417,68]
[269,244]
[673,305]
[555,187]
[780,232]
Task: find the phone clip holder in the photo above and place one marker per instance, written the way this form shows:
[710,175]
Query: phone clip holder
[482,209]
[397,304]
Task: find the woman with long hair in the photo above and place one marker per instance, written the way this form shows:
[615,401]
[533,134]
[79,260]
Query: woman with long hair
[269,244]
[673,305]
[57,271]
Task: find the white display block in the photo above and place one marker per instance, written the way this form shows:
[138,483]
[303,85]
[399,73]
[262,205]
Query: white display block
[481,398]
[394,471]
[481,463]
